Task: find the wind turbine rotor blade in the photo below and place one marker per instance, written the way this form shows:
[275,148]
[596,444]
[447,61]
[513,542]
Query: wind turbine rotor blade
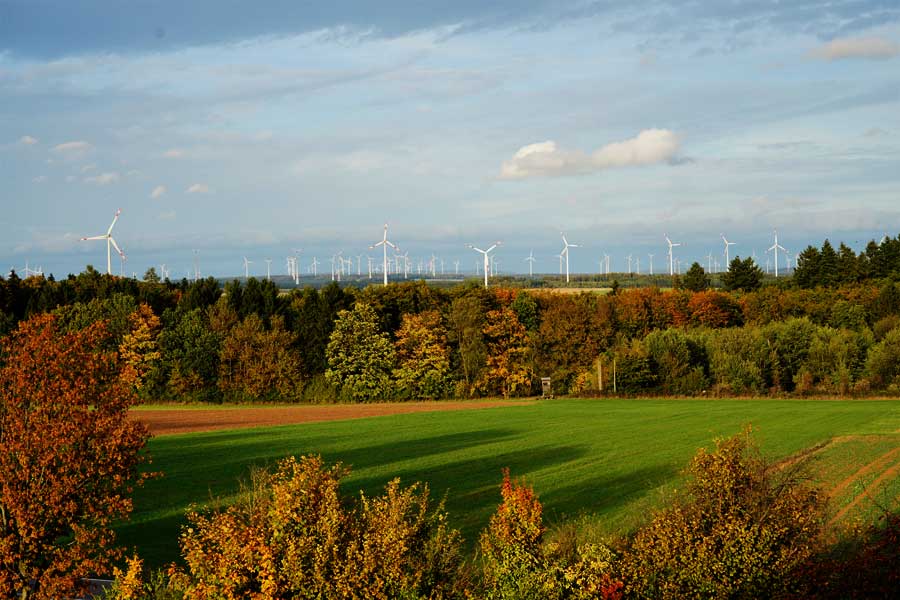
[391,245]
[116,246]
[94,237]
[113,224]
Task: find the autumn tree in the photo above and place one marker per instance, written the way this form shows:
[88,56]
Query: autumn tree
[139,349]
[466,321]
[506,369]
[360,356]
[423,357]
[68,456]
[258,363]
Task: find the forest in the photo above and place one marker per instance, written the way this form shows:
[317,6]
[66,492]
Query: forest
[249,342]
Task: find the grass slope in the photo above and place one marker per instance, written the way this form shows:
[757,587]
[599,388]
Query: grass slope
[604,463]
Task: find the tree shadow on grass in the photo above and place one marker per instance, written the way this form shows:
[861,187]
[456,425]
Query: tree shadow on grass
[202,473]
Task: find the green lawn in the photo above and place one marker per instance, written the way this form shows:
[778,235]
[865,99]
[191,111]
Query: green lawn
[604,463]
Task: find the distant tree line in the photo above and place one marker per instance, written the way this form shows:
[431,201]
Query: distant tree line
[248,342]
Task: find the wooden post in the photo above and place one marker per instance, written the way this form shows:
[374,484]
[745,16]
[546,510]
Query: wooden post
[614,376]
[600,374]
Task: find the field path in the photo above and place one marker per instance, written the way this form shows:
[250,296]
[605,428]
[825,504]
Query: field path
[188,420]
[877,464]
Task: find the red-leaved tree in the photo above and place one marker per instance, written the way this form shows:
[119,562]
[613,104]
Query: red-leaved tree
[69,457]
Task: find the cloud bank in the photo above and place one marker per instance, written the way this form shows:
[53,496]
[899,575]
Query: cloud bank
[546,159]
[873,48]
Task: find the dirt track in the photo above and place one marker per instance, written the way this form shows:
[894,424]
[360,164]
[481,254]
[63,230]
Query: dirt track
[186,420]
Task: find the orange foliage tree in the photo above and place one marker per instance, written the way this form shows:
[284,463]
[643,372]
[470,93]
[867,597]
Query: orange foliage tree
[714,309]
[68,456]
[507,353]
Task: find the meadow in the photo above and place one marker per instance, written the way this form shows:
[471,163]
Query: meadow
[602,465]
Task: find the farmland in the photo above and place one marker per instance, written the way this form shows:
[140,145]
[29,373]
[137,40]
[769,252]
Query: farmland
[600,464]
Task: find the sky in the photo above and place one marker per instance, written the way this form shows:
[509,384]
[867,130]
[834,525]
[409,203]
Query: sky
[223,131]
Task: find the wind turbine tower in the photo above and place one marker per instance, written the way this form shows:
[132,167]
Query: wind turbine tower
[384,243]
[110,242]
[530,260]
[651,263]
[485,253]
[671,256]
[247,264]
[565,251]
[727,258]
[776,247]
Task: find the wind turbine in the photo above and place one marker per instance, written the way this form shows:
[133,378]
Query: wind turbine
[110,242]
[651,263]
[384,243]
[671,257]
[486,261]
[776,247]
[565,250]
[727,243]
[314,265]
[247,264]
[530,260]
[268,269]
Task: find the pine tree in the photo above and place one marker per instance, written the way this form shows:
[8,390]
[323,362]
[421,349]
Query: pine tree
[742,275]
[695,279]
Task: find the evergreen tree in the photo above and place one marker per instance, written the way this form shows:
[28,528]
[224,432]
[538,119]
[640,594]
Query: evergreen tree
[828,265]
[807,269]
[696,279]
[742,275]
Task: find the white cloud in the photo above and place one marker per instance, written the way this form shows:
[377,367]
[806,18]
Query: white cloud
[545,159]
[27,140]
[863,47]
[103,178]
[198,188]
[72,149]
[158,192]
[39,179]
[174,153]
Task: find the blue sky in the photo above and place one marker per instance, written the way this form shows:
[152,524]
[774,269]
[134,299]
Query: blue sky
[241,132]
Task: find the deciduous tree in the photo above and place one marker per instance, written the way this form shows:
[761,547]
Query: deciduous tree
[360,356]
[68,457]
[423,357]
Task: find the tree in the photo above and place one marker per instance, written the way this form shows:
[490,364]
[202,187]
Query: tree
[742,275]
[507,350]
[258,363]
[423,357]
[68,457]
[360,356]
[150,276]
[466,321]
[139,350]
[696,279]
[807,271]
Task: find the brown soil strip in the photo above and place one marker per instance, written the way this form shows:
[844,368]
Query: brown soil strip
[878,463]
[175,420]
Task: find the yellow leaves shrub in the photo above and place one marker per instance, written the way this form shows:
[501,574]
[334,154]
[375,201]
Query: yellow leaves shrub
[741,531]
[291,536]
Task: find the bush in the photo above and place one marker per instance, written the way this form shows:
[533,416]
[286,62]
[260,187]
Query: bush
[741,531]
[835,361]
[517,565]
[291,535]
[789,343]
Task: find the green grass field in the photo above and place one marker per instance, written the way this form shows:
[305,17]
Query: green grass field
[604,464]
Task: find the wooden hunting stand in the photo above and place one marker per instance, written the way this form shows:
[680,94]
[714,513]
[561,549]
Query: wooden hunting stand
[546,392]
